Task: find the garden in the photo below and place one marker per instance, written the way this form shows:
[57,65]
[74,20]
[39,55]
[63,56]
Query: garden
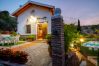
[74,38]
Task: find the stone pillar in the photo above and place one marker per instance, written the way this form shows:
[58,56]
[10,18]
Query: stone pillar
[57,43]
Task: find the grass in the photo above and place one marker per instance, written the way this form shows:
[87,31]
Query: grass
[12,44]
[86,51]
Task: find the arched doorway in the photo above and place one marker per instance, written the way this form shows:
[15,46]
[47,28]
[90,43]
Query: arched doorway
[41,30]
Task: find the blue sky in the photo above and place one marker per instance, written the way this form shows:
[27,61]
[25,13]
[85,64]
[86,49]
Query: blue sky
[86,10]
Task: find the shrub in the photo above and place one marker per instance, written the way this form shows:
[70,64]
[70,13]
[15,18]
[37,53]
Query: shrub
[30,37]
[27,37]
[70,34]
[48,37]
[22,38]
[13,33]
[19,57]
[5,54]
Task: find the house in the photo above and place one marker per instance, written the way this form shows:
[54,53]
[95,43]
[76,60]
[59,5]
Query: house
[34,18]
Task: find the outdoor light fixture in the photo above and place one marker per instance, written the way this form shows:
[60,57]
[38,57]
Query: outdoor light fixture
[72,45]
[82,39]
[33,19]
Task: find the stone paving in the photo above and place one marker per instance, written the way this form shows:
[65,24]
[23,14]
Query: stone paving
[38,55]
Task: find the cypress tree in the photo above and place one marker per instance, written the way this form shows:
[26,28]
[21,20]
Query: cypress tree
[78,27]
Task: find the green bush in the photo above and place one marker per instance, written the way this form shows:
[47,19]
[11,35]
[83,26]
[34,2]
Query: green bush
[22,38]
[13,33]
[48,37]
[70,34]
[27,37]
[31,36]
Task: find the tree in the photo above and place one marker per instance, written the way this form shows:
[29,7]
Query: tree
[78,27]
[7,22]
[70,34]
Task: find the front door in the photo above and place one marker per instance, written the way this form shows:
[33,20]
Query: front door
[41,30]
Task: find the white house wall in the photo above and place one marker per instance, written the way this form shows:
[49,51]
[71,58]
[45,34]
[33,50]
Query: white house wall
[39,12]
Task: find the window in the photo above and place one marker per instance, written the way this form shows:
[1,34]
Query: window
[28,28]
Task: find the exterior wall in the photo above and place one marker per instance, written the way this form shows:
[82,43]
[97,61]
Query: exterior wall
[39,12]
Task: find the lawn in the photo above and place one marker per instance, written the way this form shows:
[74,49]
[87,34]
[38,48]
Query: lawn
[12,44]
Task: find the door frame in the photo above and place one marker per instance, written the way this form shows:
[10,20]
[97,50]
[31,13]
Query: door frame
[37,29]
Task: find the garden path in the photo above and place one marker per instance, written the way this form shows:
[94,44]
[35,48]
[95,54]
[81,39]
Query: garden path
[37,51]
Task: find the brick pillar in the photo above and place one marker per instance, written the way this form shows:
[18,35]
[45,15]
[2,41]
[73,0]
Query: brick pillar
[57,29]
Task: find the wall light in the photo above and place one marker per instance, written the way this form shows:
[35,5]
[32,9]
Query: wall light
[32,19]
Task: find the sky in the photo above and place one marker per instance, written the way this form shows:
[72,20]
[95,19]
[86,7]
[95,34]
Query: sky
[72,10]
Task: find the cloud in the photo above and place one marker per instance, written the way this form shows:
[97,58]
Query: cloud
[90,21]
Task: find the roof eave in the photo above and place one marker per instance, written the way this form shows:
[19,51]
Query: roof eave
[32,2]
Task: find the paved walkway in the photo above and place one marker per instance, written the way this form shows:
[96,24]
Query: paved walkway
[37,51]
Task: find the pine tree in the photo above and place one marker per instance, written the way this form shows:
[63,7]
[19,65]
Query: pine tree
[79,27]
